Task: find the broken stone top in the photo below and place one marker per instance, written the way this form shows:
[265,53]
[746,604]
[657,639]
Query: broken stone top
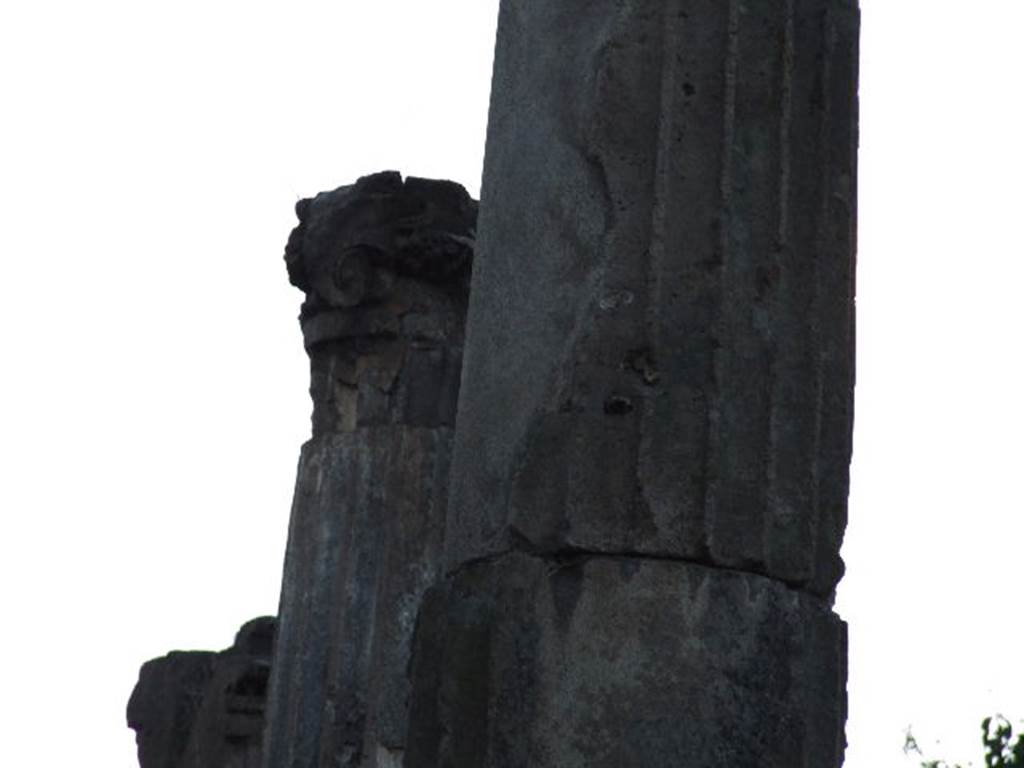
[385,265]
[193,709]
[355,245]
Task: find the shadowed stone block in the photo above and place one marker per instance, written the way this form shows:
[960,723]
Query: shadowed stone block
[385,265]
[200,709]
[163,706]
[612,662]
[659,357]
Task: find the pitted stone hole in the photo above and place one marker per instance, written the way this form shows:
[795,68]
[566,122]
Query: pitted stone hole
[641,361]
[252,682]
[688,89]
[618,405]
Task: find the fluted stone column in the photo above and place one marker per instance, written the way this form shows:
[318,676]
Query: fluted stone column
[651,464]
[385,266]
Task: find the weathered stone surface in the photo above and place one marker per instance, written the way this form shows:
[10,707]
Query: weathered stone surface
[612,662]
[200,709]
[659,358]
[163,706]
[364,544]
[651,462]
[385,265]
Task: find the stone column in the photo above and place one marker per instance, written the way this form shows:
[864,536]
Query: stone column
[200,709]
[651,464]
[385,266]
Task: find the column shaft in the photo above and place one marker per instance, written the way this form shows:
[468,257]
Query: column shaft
[650,467]
[385,266]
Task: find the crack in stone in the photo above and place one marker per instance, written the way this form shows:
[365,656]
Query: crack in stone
[564,556]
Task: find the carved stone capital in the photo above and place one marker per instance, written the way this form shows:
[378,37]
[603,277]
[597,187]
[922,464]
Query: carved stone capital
[358,250]
[385,265]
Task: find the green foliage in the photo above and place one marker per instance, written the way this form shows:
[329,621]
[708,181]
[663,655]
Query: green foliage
[1002,750]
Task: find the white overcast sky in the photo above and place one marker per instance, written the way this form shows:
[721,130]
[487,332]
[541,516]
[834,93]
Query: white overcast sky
[153,394]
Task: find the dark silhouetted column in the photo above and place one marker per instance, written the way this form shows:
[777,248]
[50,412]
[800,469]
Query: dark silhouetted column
[385,266]
[651,464]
